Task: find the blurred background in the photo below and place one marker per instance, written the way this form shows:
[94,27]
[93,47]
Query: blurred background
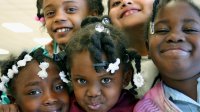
[18,28]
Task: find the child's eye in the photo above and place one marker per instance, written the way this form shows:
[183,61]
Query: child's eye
[106,80]
[116,3]
[59,87]
[190,30]
[34,92]
[71,10]
[50,14]
[82,81]
[162,31]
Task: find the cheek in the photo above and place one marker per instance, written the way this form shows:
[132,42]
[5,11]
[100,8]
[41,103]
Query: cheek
[29,105]
[78,92]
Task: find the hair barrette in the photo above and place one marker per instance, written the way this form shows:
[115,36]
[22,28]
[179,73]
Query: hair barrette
[152,31]
[41,19]
[112,67]
[106,20]
[100,28]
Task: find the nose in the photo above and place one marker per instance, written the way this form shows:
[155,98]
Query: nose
[61,16]
[49,98]
[176,37]
[94,91]
[126,2]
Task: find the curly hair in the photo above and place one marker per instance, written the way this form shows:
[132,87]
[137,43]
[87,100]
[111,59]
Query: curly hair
[112,44]
[37,56]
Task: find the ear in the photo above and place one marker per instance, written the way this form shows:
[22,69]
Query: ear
[128,74]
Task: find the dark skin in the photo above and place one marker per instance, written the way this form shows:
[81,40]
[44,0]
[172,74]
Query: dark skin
[175,47]
[96,92]
[34,94]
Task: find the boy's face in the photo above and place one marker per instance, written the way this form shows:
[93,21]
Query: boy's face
[129,13]
[64,17]
[94,91]
[34,94]
[175,46]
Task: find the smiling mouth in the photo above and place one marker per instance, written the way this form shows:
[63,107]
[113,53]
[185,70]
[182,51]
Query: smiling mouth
[176,52]
[61,30]
[129,12]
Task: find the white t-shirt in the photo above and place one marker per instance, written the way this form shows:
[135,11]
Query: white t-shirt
[149,73]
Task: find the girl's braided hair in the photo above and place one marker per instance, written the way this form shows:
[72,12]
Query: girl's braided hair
[111,43]
[37,55]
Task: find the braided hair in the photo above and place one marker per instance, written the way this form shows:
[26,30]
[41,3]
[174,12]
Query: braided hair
[37,55]
[112,43]
[39,4]
[157,5]
[94,5]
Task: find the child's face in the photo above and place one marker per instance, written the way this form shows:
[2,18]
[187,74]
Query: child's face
[175,46]
[34,94]
[129,13]
[94,91]
[63,17]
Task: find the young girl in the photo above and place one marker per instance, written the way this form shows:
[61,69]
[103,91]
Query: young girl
[100,68]
[174,45]
[62,18]
[35,83]
[131,16]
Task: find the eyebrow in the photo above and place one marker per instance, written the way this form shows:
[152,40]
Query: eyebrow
[184,20]
[65,2]
[190,21]
[33,83]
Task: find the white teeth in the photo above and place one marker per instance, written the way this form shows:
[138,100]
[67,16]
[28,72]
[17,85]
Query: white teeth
[63,30]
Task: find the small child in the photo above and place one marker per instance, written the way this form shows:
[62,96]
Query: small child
[174,46]
[62,18]
[100,67]
[131,16]
[35,83]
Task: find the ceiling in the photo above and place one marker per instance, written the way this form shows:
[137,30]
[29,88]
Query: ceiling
[20,11]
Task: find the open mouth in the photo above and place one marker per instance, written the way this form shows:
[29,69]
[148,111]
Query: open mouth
[129,12]
[60,30]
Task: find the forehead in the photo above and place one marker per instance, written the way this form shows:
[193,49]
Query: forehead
[62,2]
[83,64]
[179,10]
[30,71]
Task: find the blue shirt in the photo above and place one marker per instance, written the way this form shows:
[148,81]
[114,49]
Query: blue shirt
[185,103]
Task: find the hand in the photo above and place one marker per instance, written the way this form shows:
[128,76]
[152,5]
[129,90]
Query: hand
[8,108]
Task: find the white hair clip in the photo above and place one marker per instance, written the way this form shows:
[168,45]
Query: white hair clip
[2,87]
[112,67]
[152,31]
[106,20]
[21,63]
[43,73]
[138,80]
[100,28]
[13,71]
[63,77]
